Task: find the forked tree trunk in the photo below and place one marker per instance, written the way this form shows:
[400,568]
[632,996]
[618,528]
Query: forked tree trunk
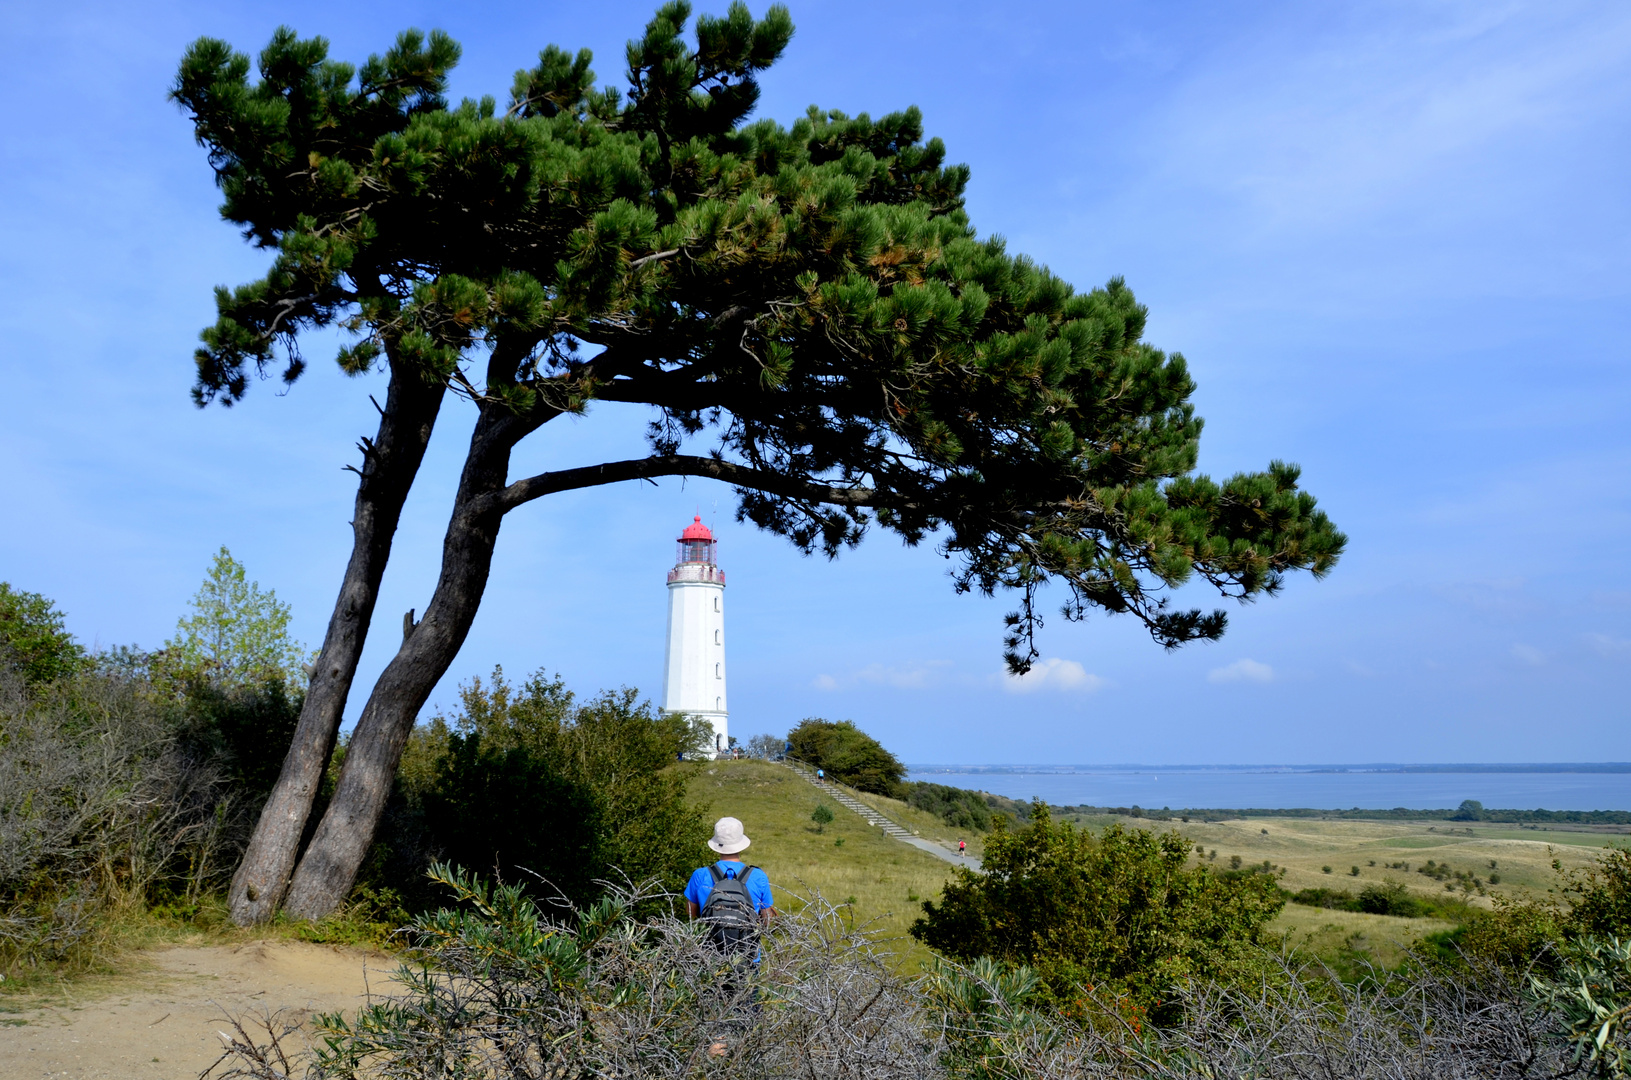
[389,467]
[329,867]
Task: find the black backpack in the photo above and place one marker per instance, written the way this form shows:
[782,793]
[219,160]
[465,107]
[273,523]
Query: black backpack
[733,921]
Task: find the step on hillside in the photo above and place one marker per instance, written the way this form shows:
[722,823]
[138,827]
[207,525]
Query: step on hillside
[849,802]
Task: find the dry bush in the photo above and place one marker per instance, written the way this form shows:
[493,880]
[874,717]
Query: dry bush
[502,989]
[99,799]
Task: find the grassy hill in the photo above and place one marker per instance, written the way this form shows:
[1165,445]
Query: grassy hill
[848,861]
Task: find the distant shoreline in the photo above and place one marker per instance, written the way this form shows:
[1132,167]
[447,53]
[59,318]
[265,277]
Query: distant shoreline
[1589,767]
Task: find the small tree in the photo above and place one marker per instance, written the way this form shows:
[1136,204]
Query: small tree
[822,816]
[237,635]
[768,747]
[848,754]
[1469,810]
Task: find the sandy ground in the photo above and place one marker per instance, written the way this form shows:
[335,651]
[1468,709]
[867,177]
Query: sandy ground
[162,1021]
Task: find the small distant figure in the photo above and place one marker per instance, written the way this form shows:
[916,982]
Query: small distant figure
[821,774]
[962,848]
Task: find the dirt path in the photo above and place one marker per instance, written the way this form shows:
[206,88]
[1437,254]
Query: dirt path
[160,1023]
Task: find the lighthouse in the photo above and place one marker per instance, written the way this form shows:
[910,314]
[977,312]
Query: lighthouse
[694,668]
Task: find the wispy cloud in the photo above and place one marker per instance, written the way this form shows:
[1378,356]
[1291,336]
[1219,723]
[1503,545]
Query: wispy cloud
[909,677]
[1528,654]
[1241,670]
[919,676]
[1052,673]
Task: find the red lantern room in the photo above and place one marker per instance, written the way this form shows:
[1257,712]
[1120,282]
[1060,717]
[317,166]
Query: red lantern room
[697,544]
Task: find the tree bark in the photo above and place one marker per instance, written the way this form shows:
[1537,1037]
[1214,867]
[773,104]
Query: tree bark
[329,867]
[390,464]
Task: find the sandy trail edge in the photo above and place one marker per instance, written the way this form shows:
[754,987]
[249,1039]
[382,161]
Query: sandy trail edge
[161,1022]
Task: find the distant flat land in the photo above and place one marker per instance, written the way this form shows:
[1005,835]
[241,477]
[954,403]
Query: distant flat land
[1523,857]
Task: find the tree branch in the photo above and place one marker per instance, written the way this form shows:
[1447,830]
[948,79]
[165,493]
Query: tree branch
[535,487]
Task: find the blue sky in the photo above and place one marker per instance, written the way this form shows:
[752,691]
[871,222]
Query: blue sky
[1390,238]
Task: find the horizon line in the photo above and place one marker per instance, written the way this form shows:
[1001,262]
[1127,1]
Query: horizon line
[1332,767]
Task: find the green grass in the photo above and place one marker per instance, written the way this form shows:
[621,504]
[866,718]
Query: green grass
[1346,939]
[877,876]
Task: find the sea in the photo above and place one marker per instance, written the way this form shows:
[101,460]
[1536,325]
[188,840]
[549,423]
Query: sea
[1579,786]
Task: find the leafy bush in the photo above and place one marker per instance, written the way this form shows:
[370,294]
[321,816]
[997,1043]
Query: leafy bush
[1600,897]
[958,807]
[33,639]
[1390,899]
[526,780]
[1123,909]
[1592,993]
[1586,905]
[848,754]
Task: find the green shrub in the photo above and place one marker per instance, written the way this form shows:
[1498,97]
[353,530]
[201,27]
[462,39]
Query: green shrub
[527,781]
[1123,908]
[1336,899]
[848,754]
[33,638]
[1589,904]
[958,807]
[1390,899]
[1600,896]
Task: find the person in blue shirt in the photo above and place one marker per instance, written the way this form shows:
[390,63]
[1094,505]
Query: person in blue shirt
[730,841]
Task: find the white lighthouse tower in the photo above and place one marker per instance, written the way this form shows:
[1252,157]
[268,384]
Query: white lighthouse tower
[694,669]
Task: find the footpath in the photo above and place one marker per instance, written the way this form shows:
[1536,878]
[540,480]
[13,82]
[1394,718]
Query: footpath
[872,817]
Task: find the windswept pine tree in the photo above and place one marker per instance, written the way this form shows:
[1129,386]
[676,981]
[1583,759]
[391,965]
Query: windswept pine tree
[806,309]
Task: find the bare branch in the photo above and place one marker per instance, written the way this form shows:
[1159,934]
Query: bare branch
[793,487]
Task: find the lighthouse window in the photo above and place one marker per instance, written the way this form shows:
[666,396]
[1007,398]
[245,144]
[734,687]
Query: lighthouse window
[716,603]
[719,704]
[717,672]
[716,638]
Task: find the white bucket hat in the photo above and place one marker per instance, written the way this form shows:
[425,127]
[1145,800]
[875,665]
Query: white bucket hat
[728,838]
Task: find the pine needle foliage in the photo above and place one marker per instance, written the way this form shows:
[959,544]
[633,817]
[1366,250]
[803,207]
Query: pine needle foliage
[807,308]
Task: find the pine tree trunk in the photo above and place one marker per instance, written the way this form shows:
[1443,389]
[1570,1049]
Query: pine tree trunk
[329,867]
[389,467]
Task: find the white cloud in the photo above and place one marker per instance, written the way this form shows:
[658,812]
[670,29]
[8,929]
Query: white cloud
[1529,655]
[1052,673]
[1603,645]
[824,682]
[1241,670]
